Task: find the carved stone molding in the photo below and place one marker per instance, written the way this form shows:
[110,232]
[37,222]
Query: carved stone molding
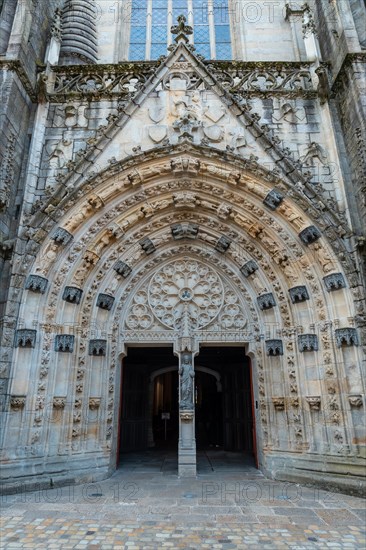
[266,301]
[308,342]
[310,234]
[25,338]
[278,403]
[59,402]
[94,403]
[186,416]
[98,347]
[64,343]
[335,281]
[61,236]
[273,199]
[314,402]
[298,294]
[274,348]
[249,268]
[105,301]
[295,402]
[72,295]
[223,245]
[122,269]
[355,401]
[36,283]
[147,246]
[346,337]
[17,402]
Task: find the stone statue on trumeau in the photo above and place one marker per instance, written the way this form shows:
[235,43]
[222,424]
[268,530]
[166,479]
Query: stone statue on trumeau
[186,374]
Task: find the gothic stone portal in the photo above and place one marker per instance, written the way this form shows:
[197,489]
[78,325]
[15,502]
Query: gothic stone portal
[185,302]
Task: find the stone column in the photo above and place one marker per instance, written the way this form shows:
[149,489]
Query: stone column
[187,440]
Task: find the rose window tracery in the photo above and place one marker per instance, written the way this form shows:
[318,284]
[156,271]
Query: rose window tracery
[140,315]
[186,288]
[189,294]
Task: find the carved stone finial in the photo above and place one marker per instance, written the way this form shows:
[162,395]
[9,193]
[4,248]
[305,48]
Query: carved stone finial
[182,30]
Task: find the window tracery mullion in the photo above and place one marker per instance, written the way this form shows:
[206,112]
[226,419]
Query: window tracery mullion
[211,22]
[149,29]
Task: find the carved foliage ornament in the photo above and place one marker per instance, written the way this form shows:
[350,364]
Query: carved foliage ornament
[17,402]
[314,402]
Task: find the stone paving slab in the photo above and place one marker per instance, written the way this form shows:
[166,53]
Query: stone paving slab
[222,510]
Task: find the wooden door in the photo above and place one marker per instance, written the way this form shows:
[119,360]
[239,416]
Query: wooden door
[238,423]
[135,409]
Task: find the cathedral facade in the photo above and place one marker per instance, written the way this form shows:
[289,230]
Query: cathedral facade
[183,236]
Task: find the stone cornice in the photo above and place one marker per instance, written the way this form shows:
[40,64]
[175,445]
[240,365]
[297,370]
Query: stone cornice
[359,57]
[16,66]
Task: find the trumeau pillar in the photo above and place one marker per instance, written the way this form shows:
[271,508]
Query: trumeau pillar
[187,462]
[187,441]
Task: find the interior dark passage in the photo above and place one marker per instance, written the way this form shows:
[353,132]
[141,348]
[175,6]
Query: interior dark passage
[224,408]
[149,389]
[149,418]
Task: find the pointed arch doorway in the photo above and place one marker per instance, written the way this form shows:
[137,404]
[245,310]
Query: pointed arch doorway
[224,426]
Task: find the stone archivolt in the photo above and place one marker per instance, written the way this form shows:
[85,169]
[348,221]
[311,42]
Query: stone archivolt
[148,209]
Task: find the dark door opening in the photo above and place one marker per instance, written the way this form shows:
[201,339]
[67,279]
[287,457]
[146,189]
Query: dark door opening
[224,407]
[149,389]
[166,410]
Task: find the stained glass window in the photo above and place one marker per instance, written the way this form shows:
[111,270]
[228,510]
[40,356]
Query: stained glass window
[151,21]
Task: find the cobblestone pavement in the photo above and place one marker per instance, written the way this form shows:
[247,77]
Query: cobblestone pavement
[142,509]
